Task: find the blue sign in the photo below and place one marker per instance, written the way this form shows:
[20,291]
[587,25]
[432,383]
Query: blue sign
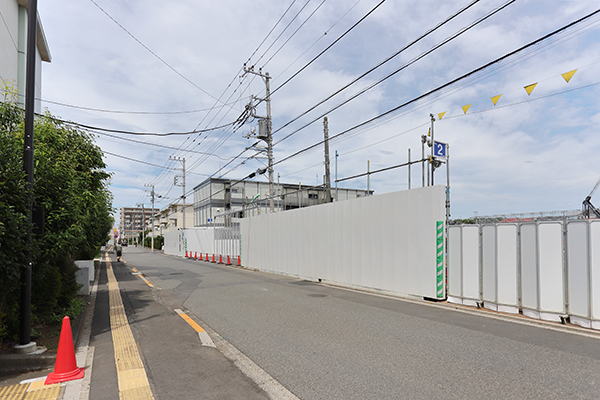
[209,220]
[440,150]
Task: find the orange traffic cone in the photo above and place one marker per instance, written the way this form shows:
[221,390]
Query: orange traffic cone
[239,262]
[220,259]
[213,258]
[195,255]
[65,368]
[186,254]
[206,257]
[228,261]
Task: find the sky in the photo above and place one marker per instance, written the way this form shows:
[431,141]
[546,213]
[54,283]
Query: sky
[176,67]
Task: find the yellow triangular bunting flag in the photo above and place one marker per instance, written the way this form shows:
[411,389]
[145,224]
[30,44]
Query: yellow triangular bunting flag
[530,88]
[466,108]
[440,115]
[496,98]
[568,75]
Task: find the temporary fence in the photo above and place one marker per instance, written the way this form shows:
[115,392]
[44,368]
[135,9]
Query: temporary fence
[547,270]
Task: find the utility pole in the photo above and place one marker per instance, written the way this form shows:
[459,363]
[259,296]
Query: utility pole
[432,148]
[409,163]
[25,344]
[423,140]
[152,197]
[267,134]
[327,172]
[368,176]
[336,176]
[182,160]
[143,223]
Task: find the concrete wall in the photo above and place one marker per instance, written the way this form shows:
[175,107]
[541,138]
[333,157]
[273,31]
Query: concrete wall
[385,242]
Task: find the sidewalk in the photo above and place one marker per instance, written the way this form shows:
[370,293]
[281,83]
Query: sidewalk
[133,347]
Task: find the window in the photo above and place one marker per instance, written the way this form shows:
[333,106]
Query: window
[313,196]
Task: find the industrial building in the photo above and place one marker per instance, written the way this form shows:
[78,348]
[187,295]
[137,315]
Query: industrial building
[216,196]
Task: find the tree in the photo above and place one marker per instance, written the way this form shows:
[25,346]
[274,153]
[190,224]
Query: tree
[72,186]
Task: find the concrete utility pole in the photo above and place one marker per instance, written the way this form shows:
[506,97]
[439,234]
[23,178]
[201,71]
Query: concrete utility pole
[143,223]
[25,344]
[327,172]
[266,135]
[432,148]
[152,197]
[182,160]
[336,176]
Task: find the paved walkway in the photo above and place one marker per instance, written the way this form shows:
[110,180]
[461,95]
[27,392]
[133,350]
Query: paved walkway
[133,347]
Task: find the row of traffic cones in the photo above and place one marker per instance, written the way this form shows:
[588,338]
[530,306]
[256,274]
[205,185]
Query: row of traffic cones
[195,257]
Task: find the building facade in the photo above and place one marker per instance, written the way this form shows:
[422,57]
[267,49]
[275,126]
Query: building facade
[171,218]
[215,197]
[133,221]
[13,50]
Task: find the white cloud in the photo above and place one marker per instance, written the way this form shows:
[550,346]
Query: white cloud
[527,153]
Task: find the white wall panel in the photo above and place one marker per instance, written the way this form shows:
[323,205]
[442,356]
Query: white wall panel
[595,272]
[529,270]
[454,264]
[385,242]
[507,268]
[489,267]
[578,269]
[470,262]
[551,270]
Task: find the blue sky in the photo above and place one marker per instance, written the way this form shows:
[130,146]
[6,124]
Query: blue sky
[527,153]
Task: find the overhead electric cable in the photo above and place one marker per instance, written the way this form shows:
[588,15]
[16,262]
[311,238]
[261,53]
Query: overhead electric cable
[374,84]
[151,52]
[328,47]
[282,32]
[130,112]
[146,163]
[294,33]
[439,88]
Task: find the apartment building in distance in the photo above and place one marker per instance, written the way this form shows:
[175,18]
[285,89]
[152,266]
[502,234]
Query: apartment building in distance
[134,220]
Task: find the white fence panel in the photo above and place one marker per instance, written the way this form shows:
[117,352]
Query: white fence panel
[455,270]
[385,242]
[551,284]
[529,271]
[489,267]
[470,265]
[595,272]
[508,294]
[579,273]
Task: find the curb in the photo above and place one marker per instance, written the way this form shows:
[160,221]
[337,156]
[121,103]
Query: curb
[17,364]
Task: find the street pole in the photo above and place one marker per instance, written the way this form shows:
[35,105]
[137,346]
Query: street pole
[152,197]
[409,169]
[368,176]
[327,171]
[432,148]
[182,160]
[268,134]
[336,176]
[423,139]
[25,305]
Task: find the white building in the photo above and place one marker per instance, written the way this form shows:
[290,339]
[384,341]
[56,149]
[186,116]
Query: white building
[170,218]
[13,49]
[215,196]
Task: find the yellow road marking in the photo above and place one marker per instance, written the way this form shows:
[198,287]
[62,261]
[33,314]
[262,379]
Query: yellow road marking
[132,378]
[35,390]
[190,321]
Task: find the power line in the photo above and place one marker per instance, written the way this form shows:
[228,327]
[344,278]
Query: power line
[439,88]
[130,112]
[151,52]
[374,84]
[294,33]
[147,163]
[328,47]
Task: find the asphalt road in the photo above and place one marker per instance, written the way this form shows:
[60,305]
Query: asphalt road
[322,342]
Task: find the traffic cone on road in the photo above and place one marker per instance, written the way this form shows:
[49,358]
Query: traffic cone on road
[228,261]
[239,261]
[65,368]
[195,255]
[213,258]
[220,259]
[186,254]
[206,257]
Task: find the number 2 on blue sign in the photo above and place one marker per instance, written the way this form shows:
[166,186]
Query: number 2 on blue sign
[440,149]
